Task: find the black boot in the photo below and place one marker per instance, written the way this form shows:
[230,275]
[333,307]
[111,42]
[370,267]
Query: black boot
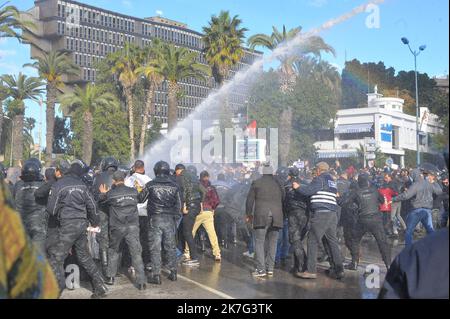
[109,281]
[173,275]
[351,266]
[100,290]
[155,279]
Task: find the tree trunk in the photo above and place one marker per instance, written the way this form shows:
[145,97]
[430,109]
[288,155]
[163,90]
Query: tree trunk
[88,138]
[172,112]
[285,135]
[148,113]
[17,139]
[50,118]
[129,98]
[1,119]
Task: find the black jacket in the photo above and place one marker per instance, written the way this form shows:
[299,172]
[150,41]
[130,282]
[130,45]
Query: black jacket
[266,197]
[70,199]
[322,192]
[163,197]
[24,198]
[192,192]
[366,199]
[420,271]
[235,199]
[102,178]
[293,200]
[122,203]
[42,193]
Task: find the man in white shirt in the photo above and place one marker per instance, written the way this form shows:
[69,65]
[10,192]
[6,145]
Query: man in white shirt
[138,179]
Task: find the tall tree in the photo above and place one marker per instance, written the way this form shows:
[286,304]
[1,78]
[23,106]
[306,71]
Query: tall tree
[313,45]
[11,22]
[52,67]
[153,77]
[223,39]
[179,63]
[84,102]
[62,140]
[3,96]
[20,88]
[124,64]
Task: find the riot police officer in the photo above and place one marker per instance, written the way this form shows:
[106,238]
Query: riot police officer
[163,209]
[123,225]
[72,203]
[109,166]
[33,213]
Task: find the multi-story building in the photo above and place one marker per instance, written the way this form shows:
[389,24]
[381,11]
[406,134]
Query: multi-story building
[91,33]
[382,121]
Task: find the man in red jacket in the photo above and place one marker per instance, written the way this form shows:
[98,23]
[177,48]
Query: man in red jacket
[206,216]
[387,191]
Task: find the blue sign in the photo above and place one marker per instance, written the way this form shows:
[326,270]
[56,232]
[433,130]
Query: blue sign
[386,132]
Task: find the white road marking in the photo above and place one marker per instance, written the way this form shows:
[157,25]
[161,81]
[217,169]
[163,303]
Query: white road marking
[214,291]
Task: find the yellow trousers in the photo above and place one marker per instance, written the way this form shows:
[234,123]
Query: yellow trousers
[206,218]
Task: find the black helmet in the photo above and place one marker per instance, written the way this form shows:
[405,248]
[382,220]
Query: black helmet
[161,168]
[83,165]
[293,172]
[109,162]
[35,161]
[62,165]
[192,170]
[30,171]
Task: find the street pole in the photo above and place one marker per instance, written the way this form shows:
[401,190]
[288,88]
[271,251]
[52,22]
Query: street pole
[40,130]
[417,112]
[416,54]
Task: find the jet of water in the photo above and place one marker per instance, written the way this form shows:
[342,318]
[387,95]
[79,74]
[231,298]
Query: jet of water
[242,80]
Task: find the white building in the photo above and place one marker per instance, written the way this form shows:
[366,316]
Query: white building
[384,121]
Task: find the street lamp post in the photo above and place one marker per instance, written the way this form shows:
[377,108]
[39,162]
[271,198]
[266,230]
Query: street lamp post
[40,102]
[416,54]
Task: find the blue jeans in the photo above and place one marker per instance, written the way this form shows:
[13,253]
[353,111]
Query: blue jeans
[418,215]
[283,242]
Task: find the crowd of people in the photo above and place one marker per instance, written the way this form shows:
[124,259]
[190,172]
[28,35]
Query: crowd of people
[289,212]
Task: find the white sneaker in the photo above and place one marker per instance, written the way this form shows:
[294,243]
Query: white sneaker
[248,254]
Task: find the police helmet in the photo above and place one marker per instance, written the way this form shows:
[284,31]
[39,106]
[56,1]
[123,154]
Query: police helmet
[161,168]
[109,162]
[30,171]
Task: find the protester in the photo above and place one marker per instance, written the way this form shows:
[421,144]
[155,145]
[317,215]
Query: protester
[264,208]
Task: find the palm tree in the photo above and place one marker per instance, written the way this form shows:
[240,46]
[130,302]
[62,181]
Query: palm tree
[179,63]
[321,71]
[10,22]
[153,77]
[223,40]
[86,100]
[3,96]
[314,45]
[20,88]
[124,65]
[52,67]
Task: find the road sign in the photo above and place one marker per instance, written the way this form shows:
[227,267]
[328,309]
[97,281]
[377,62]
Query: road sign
[250,150]
[370,156]
[371,163]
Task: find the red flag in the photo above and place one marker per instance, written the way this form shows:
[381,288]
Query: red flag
[252,128]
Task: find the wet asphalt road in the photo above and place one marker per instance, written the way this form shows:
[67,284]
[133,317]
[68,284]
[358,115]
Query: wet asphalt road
[232,279]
